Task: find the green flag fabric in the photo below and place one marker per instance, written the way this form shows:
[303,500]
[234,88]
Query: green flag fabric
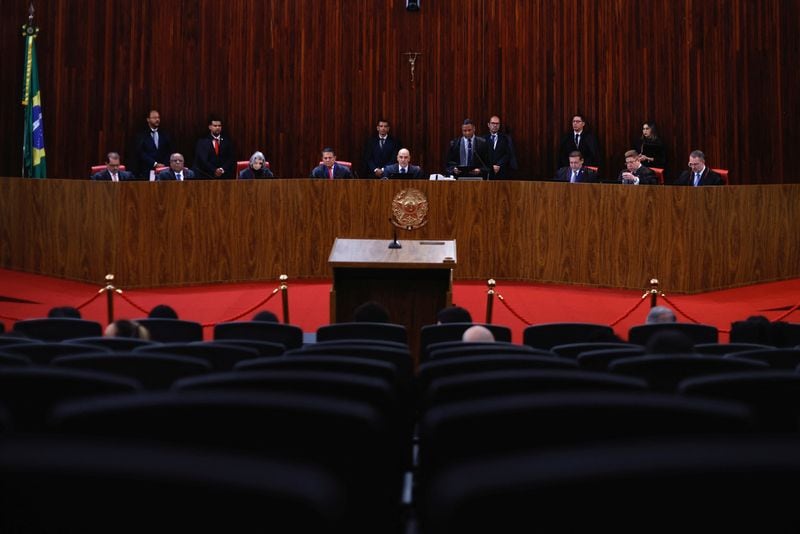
[34,164]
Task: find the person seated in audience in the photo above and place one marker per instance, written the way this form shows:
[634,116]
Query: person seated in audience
[162,311]
[669,342]
[635,173]
[257,168]
[127,328]
[265,316]
[64,311]
[453,314]
[329,169]
[698,174]
[371,312]
[576,172]
[660,314]
[112,171]
[651,148]
[176,170]
[477,334]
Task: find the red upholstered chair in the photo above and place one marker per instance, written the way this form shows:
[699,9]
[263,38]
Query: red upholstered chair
[659,174]
[158,169]
[592,167]
[102,167]
[347,164]
[723,173]
[242,165]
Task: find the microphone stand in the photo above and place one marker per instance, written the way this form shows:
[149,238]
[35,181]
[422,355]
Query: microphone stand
[394,244]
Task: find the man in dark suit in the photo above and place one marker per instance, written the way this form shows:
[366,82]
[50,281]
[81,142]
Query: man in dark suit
[329,169]
[581,140]
[402,169]
[576,172]
[380,150]
[214,156]
[112,171]
[698,174]
[468,154]
[636,173]
[152,146]
[501,151]
[176,170]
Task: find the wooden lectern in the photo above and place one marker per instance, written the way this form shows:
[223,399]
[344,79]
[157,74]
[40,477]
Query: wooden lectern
[413,282]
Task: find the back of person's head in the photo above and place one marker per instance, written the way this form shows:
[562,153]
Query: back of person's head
[371,312]
[265,316]
[660,314]
[477,334]
[755,329]
[453,314]
[67,312]
[162,311]
[670,342]
[127,328]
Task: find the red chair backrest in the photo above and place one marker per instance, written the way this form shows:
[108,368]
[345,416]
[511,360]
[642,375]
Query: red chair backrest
[242,165]
[591,167]
[659,174]
[723,173]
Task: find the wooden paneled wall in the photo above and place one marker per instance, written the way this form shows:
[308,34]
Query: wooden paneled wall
[172,233]
[289,76]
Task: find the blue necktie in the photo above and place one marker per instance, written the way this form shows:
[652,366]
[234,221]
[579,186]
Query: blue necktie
[696,179]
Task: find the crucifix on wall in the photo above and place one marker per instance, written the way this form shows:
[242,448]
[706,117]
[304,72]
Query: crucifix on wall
[412,60]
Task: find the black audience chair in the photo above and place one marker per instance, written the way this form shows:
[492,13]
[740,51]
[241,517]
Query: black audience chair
[774,396]
[455,349]
[264,348]
[9,340]
[721,349]
[172,330]
[58,329]
[474,386]
[664,372]
[698,333]
[363,330]
[434,369]
[288,335]
[787,359]
[347,438]
[115,343]
[29,393]
[43,353]
[573,350]
[599,360]
[220,355]
[548,335]
[60,484]
[438,333]
[153,371]
[14,360]
[345,364]
[690,484]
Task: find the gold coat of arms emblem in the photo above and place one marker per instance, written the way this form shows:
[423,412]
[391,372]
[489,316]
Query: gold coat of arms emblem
[410,209]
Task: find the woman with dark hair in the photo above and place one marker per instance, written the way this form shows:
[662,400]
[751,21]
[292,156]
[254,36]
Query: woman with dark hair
[257,168]
[651,147]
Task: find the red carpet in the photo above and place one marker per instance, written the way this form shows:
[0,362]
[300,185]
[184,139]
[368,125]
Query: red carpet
[309,302]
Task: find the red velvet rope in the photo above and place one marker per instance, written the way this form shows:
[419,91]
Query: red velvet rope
[788,313]
[513,312]
[129,301]
[95,297]
[7,318]
[626,314]
[247,311]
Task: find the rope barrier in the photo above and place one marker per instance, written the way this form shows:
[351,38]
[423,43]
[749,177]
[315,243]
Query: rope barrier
[7,318]
[127,299]
[679,310]
[626,314]
[95,297]
[788,313]
[247,311]
[513,312]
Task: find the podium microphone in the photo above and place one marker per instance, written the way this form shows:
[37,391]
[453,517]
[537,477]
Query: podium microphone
[394,244]
[483,163]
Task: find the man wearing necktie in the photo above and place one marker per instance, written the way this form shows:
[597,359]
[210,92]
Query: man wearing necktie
[698,174]
[582,140]
[502,159]
[214,156]
[402,169]
[112,172]
[635,173]
[152,146]
[176,170]
[575,172]
[329,169]
[468,154]
[380,150]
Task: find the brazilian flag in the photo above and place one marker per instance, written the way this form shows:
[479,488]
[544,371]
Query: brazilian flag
[33,160]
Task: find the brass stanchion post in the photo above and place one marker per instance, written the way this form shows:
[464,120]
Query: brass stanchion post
[110,290]
[490,300]
[285,297]
[653,292]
